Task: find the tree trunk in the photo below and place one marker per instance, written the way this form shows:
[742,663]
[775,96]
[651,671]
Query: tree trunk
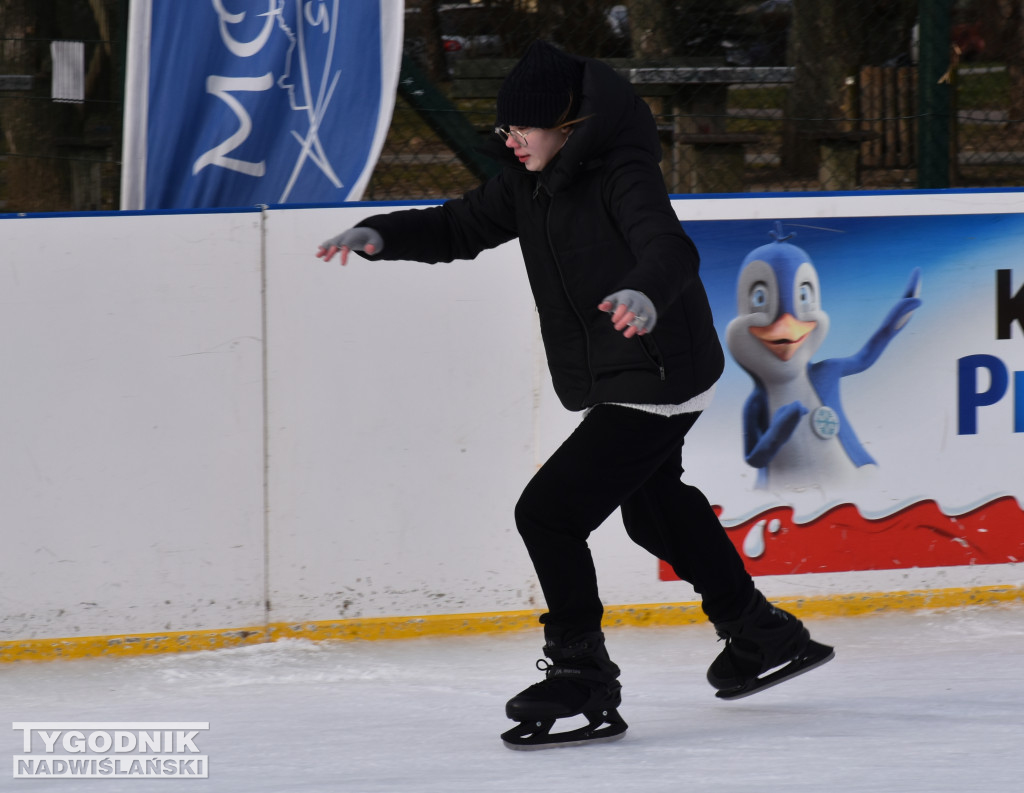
[829,42]
[649,27]
[825,50]
[1011,16]
[437,65]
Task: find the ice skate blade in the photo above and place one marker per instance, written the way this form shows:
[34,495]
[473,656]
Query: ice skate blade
[814,656]
[603,727]
[534,747]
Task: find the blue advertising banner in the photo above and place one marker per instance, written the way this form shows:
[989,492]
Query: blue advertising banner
[871,414]
[243,102]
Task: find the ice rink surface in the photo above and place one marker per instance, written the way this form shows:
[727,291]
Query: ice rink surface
[927,702]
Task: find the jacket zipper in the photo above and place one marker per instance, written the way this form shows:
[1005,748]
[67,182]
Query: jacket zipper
[649,347]
[653,354]
[565,287]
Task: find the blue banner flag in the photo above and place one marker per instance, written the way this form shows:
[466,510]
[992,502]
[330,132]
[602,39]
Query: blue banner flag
[245,102]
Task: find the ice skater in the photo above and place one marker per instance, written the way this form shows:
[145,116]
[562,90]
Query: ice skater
[629,339]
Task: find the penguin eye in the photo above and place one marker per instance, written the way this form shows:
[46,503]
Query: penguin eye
[759,297]
[806,297]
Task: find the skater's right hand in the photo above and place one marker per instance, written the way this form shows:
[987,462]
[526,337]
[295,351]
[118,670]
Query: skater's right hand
[357,239]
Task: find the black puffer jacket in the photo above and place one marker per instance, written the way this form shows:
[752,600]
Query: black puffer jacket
[596,220]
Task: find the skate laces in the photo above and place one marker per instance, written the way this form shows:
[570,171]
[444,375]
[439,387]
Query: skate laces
[551,670]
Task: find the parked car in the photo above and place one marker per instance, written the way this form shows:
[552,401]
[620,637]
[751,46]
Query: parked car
[467,30]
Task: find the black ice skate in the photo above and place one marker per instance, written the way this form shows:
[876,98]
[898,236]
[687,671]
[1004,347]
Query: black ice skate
[763,639]
[581,680]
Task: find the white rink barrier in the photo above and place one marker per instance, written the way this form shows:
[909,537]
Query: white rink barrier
[207,428]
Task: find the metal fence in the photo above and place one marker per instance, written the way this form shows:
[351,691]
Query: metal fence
[771,96]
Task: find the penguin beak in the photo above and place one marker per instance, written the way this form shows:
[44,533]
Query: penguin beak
[784,336]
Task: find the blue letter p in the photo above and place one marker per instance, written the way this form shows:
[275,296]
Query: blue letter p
[970,398]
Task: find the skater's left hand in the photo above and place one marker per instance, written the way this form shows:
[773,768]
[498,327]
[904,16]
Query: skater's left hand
[632,312]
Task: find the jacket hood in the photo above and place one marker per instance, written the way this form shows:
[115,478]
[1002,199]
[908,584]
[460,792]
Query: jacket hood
[616,118]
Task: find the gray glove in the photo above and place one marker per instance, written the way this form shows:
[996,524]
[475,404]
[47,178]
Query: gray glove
[357,239]
[638,303]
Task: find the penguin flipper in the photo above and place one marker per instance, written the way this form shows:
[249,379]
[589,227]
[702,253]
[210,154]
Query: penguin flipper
[898,316]
[774,436]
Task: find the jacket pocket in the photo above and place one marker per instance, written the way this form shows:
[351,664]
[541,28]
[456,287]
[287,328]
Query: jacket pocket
[650,347]
[611,353]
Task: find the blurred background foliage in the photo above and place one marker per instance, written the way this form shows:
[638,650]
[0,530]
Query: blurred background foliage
[771,96]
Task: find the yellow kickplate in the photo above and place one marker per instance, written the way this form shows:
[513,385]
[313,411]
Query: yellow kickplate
[656,614]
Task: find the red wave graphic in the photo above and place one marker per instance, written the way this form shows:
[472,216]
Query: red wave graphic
[841,540]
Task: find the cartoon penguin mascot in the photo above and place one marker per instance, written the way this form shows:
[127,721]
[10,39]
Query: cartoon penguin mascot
[795,431]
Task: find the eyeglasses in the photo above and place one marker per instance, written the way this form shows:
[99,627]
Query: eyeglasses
[519,137]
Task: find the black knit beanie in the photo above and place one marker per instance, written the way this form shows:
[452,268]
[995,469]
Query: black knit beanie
[542,90]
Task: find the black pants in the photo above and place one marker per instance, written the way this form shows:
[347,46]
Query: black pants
[626,458]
